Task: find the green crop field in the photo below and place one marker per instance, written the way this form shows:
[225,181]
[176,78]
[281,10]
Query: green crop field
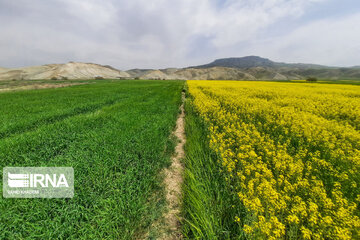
[103,131]
[261,160]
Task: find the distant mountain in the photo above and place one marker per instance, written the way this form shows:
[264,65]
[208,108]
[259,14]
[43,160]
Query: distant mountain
[243,62]
[166,73]
[254,61]
[243,68]
[249,68]
[135,73]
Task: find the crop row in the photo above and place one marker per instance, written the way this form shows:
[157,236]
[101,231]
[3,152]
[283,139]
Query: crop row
[118,192]
[290,152]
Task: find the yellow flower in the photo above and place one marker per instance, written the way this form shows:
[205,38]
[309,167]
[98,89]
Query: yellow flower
[306,233]
[247,229]
[281,146]
[292,219]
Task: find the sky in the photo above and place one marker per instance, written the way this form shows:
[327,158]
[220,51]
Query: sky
[178,33]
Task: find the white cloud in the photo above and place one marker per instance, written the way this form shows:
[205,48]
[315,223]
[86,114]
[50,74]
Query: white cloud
[241,20]
[330,41]
[95,13]
[160,33]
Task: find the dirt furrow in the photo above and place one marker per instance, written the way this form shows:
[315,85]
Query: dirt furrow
[173,181]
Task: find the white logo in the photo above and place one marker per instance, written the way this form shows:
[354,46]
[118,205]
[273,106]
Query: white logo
[36,180]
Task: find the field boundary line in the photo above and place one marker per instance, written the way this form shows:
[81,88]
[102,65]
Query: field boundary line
[40,86]
[170,226]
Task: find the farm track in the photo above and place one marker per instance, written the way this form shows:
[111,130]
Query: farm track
[38,86]
[171,228]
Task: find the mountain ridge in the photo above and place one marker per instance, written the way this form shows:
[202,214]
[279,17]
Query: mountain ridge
[255,61]
[243,68]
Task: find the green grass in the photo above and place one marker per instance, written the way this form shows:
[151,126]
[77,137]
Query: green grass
[25,110]
[208,207]
[113,134]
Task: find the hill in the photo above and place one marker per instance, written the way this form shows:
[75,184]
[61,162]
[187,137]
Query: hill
[244,68]
[213,73]
[243,62]
[71,70]
[255,61]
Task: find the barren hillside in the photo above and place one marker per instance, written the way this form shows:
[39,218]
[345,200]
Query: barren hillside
[213,73]
[157,74]
[245,68]
[71,70]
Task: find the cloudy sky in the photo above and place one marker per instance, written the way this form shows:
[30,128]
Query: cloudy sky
[177,33]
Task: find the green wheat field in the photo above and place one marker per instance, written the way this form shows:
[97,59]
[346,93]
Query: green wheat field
[249,147]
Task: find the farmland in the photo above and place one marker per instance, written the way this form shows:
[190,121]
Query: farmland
[103,130]
[284,157]
[263,160]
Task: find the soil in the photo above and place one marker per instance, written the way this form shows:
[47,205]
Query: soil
[169,226]
[39,86]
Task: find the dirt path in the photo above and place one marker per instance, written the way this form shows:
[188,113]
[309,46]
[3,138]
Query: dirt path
[39,86]
[173,181]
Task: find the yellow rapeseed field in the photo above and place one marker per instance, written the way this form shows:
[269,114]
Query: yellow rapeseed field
[290,151]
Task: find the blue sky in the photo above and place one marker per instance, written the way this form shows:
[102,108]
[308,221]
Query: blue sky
[178,33]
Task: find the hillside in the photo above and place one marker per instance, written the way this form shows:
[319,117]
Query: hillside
[250,68]
[71,70]
[255,61]
[244,68]
[213,73]
[155,74]
[244,62]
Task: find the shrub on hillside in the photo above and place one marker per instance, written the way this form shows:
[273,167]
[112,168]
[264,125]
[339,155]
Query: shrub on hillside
[311,79]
